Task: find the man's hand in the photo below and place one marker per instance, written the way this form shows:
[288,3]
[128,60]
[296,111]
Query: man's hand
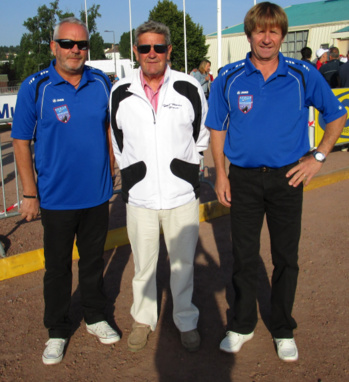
[222,188]
[304,171]
[30,209]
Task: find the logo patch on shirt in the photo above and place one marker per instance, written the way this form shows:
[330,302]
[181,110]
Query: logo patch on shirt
[62,113]
[245,103]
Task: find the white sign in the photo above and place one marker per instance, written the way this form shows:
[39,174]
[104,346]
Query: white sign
[7,106]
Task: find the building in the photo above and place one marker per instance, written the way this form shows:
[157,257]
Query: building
[111,52]
[321,24]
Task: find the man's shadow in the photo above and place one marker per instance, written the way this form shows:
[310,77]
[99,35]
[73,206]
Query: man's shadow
[173,361]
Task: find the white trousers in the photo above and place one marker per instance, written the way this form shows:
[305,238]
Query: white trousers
[181,230]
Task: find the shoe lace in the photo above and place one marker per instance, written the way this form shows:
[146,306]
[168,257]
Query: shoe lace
[104,328]
[54,345]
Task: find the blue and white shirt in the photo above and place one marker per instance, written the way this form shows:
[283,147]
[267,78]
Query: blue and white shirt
[267,121]
[68,127]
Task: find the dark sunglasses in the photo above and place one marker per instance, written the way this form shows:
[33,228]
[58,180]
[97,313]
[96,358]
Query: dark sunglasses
[159,48]
[69,44]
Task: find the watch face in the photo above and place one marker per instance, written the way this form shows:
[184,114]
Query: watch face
[319,157]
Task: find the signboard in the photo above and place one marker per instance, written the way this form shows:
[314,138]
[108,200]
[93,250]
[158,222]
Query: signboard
[7,106]
[343,96]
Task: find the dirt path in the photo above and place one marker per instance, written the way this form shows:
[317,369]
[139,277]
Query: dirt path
[321,308]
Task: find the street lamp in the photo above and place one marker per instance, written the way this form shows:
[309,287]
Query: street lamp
[113,51]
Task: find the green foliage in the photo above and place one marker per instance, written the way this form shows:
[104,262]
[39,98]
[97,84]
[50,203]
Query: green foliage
[35,53]
[92,13]
[96,40]
[97,47]
[167,13]
[8,52]
[125,44]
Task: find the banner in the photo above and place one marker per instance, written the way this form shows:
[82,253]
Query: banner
[7,106]
[343,96]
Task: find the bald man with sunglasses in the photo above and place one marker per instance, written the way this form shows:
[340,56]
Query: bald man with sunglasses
[157,118]
[64,110]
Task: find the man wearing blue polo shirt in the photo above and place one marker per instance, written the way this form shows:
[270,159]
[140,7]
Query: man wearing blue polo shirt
[258,118]
[64,109]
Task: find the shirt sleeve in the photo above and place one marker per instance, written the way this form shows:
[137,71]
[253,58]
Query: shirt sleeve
[218,111]
[25,117]
[320,95]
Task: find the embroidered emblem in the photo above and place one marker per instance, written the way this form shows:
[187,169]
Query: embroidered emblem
[62,113]
[245,103]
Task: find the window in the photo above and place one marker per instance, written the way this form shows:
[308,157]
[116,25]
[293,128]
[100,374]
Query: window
[293,43]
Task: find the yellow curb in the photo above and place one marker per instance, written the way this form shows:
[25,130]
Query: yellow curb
[327,179]
[32,261]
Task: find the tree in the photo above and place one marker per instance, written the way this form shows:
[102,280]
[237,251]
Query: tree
[35,53]
[125,44]
[35,45]
[167,13]
[96,40]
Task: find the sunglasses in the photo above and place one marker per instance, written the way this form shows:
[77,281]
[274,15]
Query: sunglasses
[69,44]
[159,48]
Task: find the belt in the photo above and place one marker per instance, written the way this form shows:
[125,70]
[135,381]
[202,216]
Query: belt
[267,169]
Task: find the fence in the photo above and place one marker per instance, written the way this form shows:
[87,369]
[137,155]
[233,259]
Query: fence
[10,201]
[9,89]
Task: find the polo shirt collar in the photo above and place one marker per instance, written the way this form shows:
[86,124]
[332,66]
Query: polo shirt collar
[58,79]
[281,70]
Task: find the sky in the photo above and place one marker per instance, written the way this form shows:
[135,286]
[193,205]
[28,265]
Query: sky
[115,14]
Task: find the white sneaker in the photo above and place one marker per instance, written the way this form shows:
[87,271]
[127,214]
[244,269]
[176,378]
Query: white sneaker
[286,349]
[233,341]
[104,332]
[54,350]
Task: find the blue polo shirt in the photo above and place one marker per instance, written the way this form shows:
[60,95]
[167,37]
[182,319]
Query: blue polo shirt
[68,127]
[267,121]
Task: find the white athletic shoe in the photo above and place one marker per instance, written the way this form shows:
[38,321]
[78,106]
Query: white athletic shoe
[104,332]
[233,341]
[54,350]
[286,349]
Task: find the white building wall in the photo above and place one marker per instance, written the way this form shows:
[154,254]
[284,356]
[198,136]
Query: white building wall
[234,48]
[322,35]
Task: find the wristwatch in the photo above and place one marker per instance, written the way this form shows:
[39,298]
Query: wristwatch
[320,157]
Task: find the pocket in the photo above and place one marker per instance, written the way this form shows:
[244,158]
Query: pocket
[188,172]
[130,176]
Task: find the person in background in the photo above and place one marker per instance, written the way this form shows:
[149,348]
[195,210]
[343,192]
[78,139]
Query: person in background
[269,161]
[157,117]
[344,74]
[306,55]
[322,57]
[331,68]
[64,109]
[203,76]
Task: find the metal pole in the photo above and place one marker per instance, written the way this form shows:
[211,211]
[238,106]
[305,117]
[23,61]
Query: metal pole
[185,39]
[114,53]
[89,53]
[131,42]
[219,34]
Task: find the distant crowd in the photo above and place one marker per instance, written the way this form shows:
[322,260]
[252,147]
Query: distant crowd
[331,64]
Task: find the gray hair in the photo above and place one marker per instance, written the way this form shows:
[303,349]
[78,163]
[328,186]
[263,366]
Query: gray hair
[152,26]
[69,20]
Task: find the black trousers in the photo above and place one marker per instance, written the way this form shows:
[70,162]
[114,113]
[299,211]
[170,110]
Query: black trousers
[256,193]
[90,227]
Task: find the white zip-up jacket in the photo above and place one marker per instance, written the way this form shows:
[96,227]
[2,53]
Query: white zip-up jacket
[159,153]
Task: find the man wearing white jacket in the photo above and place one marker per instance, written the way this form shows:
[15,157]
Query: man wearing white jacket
[157,118]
